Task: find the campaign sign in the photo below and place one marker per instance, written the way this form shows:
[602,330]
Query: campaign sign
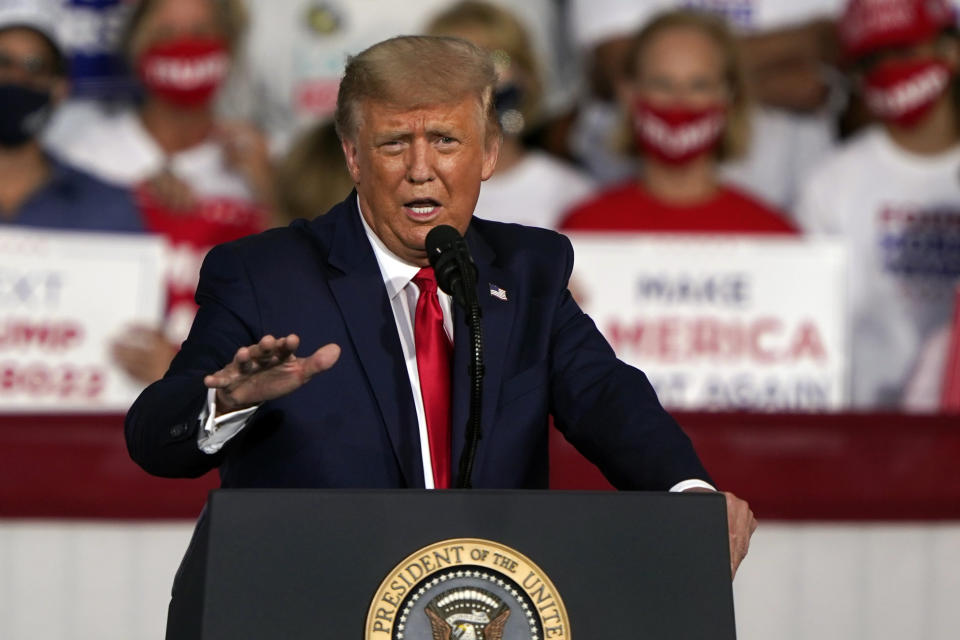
[91,31]
[64,297]
[752,16]
[732,323]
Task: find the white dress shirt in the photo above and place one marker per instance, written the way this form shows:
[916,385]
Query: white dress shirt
[403,294]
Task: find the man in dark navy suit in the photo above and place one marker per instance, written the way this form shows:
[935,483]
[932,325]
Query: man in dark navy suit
[349,395]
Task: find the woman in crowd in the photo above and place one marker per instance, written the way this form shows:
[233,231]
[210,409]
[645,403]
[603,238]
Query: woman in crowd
[198,181]
[892,193]
[786,53]
[528,187]
[688,111]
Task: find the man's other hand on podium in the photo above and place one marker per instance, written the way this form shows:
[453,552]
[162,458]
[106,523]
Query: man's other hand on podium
[740,526]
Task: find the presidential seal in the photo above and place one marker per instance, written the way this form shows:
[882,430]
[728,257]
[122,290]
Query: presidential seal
[467,589]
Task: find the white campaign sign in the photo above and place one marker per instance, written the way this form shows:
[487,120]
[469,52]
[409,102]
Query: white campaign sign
[64,297]
[722,323]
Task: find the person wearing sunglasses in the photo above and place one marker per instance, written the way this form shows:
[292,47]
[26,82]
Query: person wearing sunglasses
[38,189]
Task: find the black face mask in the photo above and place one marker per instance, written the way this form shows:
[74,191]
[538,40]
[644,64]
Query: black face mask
[23,113]
[507,100]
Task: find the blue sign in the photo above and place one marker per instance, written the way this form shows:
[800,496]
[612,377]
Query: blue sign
[91,31]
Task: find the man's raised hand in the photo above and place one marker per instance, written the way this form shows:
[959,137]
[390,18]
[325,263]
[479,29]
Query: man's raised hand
[267,370]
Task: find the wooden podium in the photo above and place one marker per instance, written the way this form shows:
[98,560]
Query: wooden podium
[421,565]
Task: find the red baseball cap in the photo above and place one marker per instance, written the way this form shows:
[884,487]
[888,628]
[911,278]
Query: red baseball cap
[869,25]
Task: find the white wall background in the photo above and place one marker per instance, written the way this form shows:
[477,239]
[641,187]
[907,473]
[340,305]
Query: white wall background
[850,582]
[63,580]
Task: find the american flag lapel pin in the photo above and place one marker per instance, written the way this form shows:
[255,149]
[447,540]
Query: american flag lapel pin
[498,292]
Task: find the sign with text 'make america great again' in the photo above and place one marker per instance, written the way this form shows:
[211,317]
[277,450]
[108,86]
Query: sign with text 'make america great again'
[722,323]
[64,298]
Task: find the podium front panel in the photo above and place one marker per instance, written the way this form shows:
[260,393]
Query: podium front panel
[307,564]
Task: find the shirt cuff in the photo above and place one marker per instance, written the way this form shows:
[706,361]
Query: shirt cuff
[691,484]
[217,431]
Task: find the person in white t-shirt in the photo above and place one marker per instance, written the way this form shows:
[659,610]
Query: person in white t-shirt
[528,187]
[893,192]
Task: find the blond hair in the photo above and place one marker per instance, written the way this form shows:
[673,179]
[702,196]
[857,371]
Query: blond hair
[736,135]
[410,72]
[231,16]
[506,38]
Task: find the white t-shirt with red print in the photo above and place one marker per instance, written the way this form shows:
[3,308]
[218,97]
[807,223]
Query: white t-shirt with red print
[118,149]
[900,216]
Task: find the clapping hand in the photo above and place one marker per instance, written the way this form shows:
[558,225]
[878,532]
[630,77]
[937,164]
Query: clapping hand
[267,370]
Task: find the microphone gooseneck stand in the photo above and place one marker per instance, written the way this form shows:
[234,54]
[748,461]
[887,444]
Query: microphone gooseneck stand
[474,432]
[457,275]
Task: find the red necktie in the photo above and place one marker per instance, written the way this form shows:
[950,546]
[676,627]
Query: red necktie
[433,364]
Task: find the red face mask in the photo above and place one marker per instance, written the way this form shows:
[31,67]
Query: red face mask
[676,135]
[186,72]
[903,92]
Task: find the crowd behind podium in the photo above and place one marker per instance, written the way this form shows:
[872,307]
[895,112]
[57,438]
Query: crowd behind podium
[207,120]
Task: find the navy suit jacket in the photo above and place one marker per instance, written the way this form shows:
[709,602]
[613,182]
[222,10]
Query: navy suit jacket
[355,424]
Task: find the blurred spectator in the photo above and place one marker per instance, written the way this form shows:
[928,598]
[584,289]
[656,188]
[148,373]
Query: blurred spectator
[892,193]
[37,189]
[602,32]
[198,181]
[792,67]
[313,176]
[528,187]
[688,110]
[789,56]
[296,50]
[786,55]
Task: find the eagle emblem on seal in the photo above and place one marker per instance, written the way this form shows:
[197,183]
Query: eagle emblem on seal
[467,613]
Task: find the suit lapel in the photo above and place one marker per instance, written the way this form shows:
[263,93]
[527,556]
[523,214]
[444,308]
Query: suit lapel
[497,320]
[357,286]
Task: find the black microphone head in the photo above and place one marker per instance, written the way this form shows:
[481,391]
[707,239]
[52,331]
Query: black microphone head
[447,251]
[442,247]
[439,239]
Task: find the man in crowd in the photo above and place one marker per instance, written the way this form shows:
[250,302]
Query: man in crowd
[38,190]
[891,193]
[370,373]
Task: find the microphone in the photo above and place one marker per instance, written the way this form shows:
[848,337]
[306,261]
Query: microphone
[452,264]
[457,275]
